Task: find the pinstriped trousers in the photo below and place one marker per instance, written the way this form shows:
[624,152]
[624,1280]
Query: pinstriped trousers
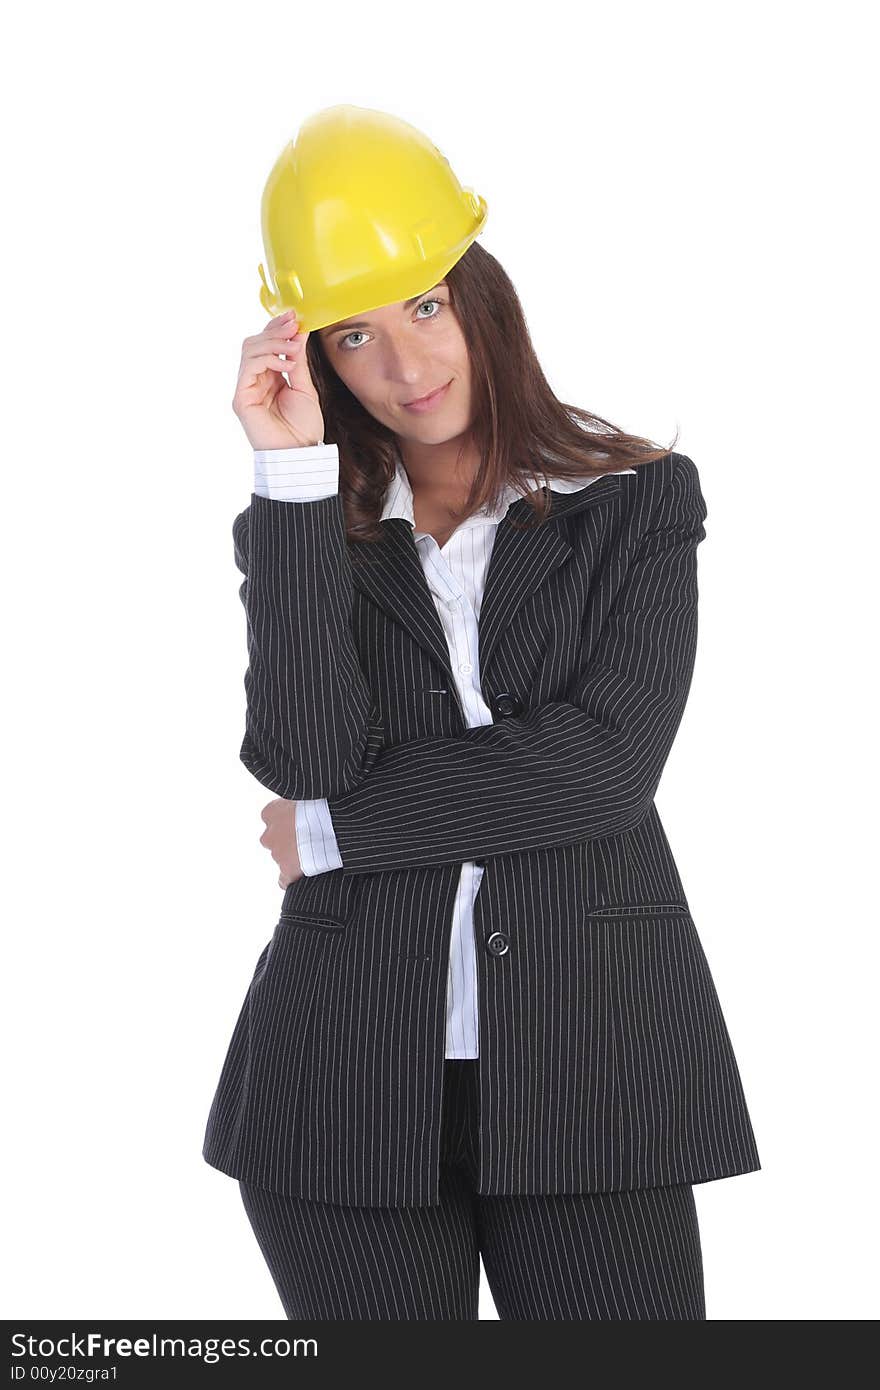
[634,1254]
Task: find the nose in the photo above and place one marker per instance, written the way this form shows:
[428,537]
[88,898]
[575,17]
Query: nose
[407,367]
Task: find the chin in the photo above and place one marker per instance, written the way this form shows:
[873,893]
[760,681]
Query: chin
[436,429]
[433,434]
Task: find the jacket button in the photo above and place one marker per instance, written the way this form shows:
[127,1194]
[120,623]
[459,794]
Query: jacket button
[498,943]
[504,704]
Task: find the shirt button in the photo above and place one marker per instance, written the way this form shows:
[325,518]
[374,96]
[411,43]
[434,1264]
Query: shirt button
[466,668]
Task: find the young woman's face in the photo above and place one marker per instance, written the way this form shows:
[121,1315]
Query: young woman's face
[399,352]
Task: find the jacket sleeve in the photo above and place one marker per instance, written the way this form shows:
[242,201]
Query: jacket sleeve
[310,724]
[566,771]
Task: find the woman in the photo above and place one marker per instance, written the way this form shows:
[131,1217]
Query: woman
[484,1025]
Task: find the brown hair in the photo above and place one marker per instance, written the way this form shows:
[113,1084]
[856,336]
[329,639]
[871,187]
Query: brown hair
[517,420]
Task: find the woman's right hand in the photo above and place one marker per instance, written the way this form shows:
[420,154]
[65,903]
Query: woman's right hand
[273,414]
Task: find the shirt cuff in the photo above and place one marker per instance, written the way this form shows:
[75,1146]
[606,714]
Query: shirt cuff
[297,475]
[316,838]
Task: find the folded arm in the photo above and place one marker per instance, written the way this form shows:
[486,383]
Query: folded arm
[567,771]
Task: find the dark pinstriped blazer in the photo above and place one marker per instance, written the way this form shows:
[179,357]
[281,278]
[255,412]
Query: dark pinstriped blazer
[605,1062]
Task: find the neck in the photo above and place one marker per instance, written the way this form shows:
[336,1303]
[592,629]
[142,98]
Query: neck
[440,475]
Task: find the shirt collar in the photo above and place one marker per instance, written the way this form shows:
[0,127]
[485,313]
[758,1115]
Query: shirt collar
[399,497]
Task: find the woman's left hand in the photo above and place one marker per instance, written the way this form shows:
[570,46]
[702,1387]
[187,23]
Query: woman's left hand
[279,837]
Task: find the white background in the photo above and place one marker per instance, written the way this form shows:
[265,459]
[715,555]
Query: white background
[682,195]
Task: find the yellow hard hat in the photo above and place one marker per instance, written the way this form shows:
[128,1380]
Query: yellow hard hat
[361,210]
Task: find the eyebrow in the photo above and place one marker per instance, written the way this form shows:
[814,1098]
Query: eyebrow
[364,323]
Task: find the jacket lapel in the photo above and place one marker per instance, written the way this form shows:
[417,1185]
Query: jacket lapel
[390,572]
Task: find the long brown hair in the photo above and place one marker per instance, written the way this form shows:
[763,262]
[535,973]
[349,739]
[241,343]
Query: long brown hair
[519,426]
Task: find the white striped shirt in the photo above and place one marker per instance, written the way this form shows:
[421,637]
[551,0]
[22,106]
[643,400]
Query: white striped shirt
[455,574]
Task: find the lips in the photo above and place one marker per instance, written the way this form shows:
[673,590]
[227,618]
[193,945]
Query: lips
[429,399]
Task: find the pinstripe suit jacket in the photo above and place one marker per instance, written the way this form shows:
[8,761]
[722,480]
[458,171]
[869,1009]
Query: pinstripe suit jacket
[605,1062]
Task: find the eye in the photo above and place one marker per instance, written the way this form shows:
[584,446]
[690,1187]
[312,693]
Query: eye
[343,341]
[425,302]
